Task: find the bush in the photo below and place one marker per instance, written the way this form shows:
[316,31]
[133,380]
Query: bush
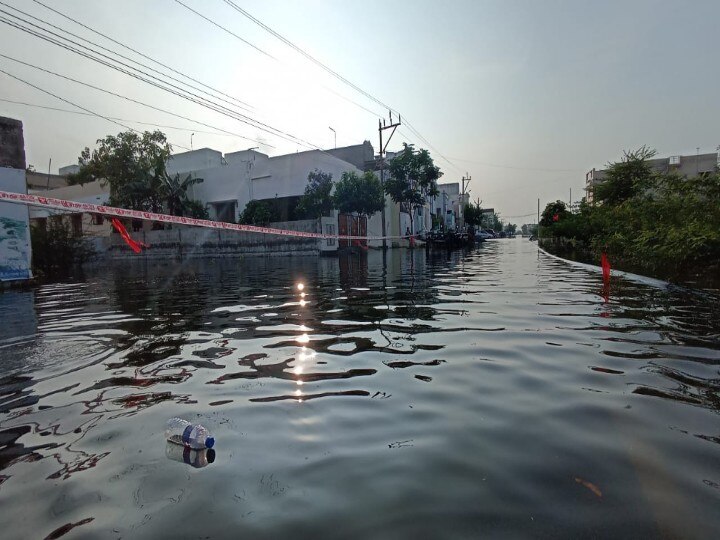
[257,213]
[56,251]
[656,221]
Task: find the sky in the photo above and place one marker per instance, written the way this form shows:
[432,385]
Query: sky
[523,96]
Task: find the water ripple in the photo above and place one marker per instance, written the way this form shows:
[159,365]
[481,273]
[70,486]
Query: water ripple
[431,395]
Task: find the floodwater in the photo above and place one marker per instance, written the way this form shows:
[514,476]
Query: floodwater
[489,393]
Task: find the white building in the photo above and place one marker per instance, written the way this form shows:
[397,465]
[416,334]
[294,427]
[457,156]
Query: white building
[688,166]
[81,223]
[232,180]
[449,204]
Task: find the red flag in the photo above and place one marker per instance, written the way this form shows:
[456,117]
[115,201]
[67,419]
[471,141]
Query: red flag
[605,268]
[556,217]
[119,227]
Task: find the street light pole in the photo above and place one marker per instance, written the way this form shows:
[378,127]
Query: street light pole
[334,134]
[191,146]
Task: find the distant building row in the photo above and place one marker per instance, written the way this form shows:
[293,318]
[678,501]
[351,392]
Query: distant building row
[232,180]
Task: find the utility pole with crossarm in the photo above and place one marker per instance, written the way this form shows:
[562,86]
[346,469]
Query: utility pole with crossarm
[382,126]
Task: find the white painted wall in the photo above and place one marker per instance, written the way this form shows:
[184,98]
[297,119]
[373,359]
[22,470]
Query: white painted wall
[204,158]
[253,176]
[92,192]
[15,250]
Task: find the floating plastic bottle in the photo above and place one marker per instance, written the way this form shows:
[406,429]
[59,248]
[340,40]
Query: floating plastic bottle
[185,454]
[193,436]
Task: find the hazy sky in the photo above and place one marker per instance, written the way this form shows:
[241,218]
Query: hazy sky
[525,96]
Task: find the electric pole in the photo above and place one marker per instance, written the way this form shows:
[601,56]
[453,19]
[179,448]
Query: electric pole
[467,179]
[382,126]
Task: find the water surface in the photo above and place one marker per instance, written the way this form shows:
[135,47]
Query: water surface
[496,392]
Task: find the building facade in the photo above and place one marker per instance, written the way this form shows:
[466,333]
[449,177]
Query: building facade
[687,166]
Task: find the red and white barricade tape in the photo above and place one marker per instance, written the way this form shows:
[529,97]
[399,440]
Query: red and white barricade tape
[72,206]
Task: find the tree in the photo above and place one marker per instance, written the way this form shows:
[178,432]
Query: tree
[626,178]
[510,228]
[360,194]
[554,212]
[473,214]
[413,179]
[256,213]
[316,201]
[177,202]
[132,164]
[491,221]
[196,209]
[57,250]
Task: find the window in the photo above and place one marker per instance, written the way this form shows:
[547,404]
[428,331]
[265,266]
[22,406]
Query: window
[225,211]
[97,219]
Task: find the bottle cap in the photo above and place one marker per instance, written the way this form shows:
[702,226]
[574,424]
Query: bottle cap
[210,442]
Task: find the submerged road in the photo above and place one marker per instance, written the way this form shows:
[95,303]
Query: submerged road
[495,392]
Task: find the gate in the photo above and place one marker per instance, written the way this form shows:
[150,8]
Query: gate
[350,225]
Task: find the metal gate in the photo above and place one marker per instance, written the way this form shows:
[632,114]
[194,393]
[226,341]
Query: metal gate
[350,225]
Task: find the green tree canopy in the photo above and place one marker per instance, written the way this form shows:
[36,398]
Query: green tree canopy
[134,166]
[177,202]
[662,222]
[552,209]
[413,179]
[360,194]
[257,213]
[316,201]
[626,178]
[492,221]
[473,214]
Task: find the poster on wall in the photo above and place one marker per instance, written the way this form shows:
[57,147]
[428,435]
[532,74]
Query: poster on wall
[14,229]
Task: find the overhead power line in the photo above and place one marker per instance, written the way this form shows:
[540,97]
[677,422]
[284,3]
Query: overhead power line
[303,53]
[335,74]
[132,100]
[225,29]
[152,124]
[127,47]
[101,47]
[165,65]
[153,81]
[153,70]
[524,215]
[75,104]
[543,169]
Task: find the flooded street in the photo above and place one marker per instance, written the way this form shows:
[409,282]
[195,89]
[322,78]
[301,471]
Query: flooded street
[473,394]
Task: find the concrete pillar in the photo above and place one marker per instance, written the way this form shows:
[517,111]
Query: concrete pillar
[14,218]
[12,144]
